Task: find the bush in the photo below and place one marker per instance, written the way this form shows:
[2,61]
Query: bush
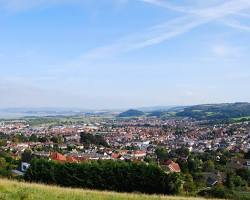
[219,191]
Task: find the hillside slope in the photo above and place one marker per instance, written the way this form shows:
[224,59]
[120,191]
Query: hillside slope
[223,111]
[12,190]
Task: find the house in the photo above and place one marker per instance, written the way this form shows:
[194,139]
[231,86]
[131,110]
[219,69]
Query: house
[115,156]
[24,166]
[213,178]
[61,158]
[171,166]
[139,154]
[58,157]
[41,154]
[71,159]
[22,169]
[211,181]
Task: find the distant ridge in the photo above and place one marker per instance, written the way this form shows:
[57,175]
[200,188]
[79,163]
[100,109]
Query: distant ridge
[223,111]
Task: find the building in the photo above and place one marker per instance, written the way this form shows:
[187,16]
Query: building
[171,166]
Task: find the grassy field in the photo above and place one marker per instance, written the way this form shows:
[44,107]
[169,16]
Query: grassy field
[241,118]
[12,190]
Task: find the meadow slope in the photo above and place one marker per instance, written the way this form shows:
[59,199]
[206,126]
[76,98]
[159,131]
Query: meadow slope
[12,190]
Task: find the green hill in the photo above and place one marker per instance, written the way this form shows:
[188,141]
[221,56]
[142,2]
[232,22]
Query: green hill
[131,113]
[12,190]
[223,111]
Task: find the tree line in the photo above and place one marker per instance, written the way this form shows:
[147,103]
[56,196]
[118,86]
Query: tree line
[117,176]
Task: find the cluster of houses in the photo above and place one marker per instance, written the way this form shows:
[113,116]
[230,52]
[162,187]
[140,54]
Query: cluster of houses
[130,139]
[169,166]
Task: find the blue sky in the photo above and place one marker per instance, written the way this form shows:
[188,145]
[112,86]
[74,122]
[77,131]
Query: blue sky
[123,53]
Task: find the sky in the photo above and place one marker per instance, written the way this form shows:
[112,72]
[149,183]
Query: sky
[97,54]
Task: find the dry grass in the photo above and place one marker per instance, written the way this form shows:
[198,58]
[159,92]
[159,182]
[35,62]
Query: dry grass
[12,190]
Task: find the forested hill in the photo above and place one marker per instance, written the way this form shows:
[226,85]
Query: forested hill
[131,113]
[223,111]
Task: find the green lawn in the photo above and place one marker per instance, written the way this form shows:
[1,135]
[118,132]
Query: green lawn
[12,190]
[209,114]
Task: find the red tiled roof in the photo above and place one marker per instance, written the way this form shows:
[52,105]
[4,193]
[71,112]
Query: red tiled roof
[115,155]
[57,157]
[173,166]
[140,152]
[71,159]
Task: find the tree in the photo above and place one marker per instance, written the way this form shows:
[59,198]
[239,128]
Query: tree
[88,139]
[247,155]
[244,174]
[183,165]
[26,156]
[57,139]
[194,165]
[43,139]
[3,135]
[3,142]
[122,176]
[161,153]
[33,138]
[3,163]
[233,180]
[6,164]
[219,191]
[208,166]
[184,152]
[188,185]
[174,182]
[199,180]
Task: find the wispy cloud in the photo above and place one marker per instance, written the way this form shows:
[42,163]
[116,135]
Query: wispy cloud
[192,19]
[194,15]
[218,11]
[152,36]
[236,24]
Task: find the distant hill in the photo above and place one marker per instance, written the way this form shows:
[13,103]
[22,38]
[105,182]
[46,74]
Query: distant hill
[170,112]
[224,111]
[13,190]
[131,113]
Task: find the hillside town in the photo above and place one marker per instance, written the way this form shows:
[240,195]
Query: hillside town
[125,139]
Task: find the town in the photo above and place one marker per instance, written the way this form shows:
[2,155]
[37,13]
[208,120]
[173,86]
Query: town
[123,139]
[201,156]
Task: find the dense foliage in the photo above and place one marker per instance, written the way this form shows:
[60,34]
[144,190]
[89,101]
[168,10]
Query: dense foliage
[88,139]
[105,175]
[210,173]
[7,163]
